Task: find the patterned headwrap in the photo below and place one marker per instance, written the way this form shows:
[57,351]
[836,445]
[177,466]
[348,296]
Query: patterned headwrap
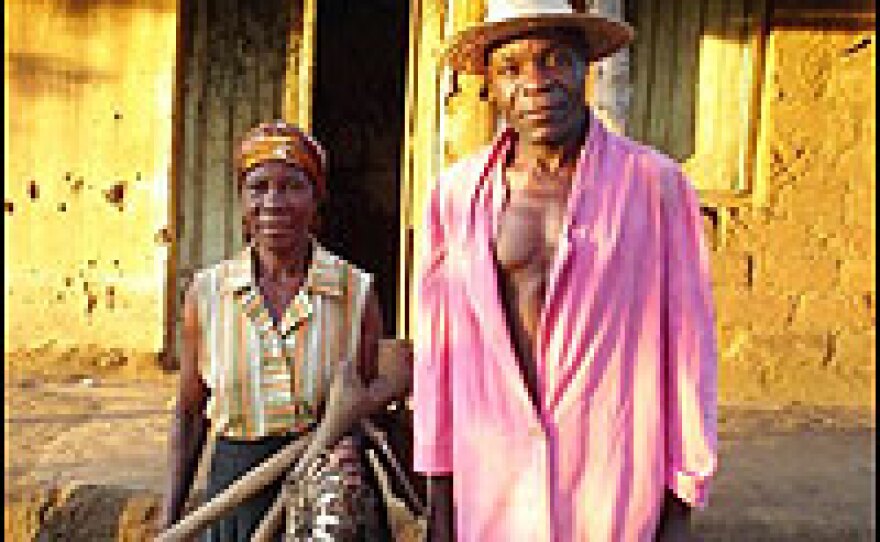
[279,140]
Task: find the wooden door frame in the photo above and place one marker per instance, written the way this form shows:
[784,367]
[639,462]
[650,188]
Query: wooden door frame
[299,79]
[167,358]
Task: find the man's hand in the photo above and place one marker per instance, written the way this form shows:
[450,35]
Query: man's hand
[675,525]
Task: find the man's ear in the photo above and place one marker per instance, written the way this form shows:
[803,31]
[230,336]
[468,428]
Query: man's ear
[588,67]
[484,91]
[587,79]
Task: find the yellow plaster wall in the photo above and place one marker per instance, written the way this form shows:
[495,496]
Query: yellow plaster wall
[88,154]
[795,276]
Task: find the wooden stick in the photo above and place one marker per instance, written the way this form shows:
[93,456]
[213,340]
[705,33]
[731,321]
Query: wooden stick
[243,488]
[271,522]
[343,402]
[337,420]
[324,437]
[379,439]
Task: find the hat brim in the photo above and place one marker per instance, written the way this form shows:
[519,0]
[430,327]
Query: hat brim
[603,36]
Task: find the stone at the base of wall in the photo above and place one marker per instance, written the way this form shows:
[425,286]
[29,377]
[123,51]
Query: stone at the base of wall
[81,512]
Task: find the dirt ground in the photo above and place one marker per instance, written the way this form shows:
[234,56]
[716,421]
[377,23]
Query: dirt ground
[85,460]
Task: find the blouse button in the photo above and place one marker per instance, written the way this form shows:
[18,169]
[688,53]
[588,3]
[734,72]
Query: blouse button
[275,347]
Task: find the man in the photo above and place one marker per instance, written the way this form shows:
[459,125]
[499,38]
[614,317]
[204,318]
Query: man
[565,377]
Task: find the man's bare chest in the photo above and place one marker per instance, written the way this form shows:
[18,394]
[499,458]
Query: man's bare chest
[526,241]
[528,232]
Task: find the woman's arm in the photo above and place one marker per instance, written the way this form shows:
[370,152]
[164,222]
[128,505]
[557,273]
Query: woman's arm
[189,425]
[364,385]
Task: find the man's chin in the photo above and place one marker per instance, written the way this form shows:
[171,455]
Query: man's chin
[544,136]
[551,131]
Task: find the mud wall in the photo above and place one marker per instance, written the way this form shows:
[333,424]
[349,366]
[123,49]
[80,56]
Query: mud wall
[88,144]
[795,272]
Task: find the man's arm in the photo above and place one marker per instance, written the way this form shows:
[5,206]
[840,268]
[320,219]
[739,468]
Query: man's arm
[189,425]
[691,368]
[387,379]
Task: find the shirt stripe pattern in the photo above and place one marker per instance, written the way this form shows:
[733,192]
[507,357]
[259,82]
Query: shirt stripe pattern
[269,379]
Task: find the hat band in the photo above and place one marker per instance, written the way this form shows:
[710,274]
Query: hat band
[281,148]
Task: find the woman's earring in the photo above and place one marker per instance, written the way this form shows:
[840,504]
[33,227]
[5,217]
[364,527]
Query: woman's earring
[315,224]
[246,230]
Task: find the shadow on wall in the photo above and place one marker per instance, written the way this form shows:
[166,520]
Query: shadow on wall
[826,15]
[34,74]
[82,8]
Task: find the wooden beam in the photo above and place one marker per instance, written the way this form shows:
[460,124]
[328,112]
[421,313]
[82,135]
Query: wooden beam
[172,281]
[307,64]
[245,59]
[426,143]
[759,30]
[612,91]
[407,161]
[661,81]
[684,94]
[216,142]
[643,60]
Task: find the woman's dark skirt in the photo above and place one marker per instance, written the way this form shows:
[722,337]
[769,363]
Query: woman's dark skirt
[231,460]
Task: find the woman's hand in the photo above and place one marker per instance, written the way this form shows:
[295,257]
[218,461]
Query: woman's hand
[348,400]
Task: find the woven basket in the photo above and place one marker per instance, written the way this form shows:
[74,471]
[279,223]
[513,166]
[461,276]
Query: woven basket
[334,500]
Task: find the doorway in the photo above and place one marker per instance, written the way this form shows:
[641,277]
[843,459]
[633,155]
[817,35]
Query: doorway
[358,115]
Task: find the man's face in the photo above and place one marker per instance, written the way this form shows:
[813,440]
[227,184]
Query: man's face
[538,83]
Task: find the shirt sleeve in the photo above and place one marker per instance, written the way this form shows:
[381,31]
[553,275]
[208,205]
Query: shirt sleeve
[432,407]
[691,392]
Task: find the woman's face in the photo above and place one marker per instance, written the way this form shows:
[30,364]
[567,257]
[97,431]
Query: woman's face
[279,205]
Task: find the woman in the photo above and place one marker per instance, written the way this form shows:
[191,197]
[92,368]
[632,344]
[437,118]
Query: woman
[262,336]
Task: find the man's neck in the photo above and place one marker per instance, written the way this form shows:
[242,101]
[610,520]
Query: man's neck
[551,157]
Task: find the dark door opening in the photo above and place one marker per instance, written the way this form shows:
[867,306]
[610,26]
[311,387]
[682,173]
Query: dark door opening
[358,116]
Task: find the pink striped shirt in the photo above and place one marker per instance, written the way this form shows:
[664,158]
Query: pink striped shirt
[625,351]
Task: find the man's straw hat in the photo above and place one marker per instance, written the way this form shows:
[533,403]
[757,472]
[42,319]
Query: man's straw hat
[508,18]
